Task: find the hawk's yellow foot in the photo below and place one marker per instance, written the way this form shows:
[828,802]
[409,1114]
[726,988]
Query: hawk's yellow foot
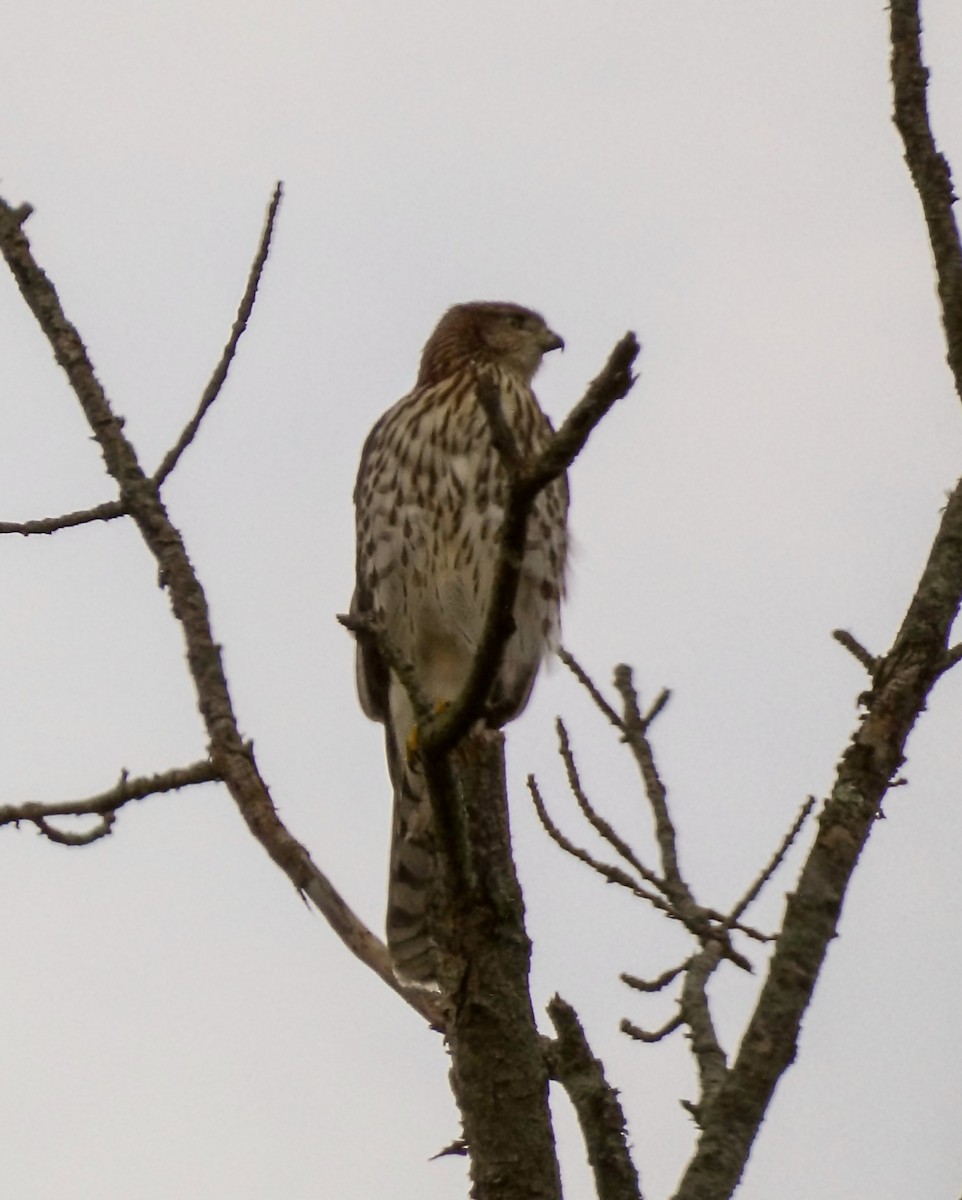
[412,742]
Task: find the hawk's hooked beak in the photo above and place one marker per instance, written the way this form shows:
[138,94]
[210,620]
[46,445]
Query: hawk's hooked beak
[551,341]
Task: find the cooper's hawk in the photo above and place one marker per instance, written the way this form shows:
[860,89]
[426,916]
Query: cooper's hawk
[429,498]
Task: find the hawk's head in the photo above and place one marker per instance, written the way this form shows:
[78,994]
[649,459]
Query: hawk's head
[487,331]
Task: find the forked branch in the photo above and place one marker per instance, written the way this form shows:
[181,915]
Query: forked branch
[219,377]
[667,890]
[106,804]
[87,516]
[596,1104]
[901,683]
[526,480]
[232,757]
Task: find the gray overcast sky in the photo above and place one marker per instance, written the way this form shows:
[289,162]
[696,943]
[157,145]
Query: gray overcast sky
[721,177]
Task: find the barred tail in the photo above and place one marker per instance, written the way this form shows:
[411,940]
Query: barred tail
[412,874]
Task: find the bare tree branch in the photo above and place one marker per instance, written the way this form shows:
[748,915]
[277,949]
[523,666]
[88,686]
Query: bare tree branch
[102,512]
[85,837]
[231,756]
[499,1073]
[502,435]
[725,922]
[707,924]
[484,950]
[650,1037]
[650,986]
[217,380]
[659,704]
[486,1000]
[597,822]
[901,684]
[696,1013]
[366,623]
[596,1104]
[731,1119]
[621,723]
[526,481]
[930,172]
[613,384]
[456,1149]
[698,919]
[774,863]
[590,687]
[611,873]
[106,803]
[856,649]
[951,657]
[633,724]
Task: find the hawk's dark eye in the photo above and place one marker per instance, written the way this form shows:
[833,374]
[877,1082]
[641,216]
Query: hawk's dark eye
[516,320]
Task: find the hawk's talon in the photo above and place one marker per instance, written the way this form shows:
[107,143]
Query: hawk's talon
[412,743]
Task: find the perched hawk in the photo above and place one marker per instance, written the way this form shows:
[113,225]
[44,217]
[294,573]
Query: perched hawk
[429,498]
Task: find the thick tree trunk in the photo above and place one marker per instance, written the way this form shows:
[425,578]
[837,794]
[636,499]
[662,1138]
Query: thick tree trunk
[498,1073]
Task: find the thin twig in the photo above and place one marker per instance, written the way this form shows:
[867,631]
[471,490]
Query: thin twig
[102,512]
[871,760]
[658,706]
[231,754]
[218,378]
[930,172]
[366,624]
[691,914]
[597,822]
[774,863]
[634,726]
[121,793]
[707,924]
[952,656]
[64,837]
[725,922]
[607,871]
[458,1149]
[856,649]
[650,1037]
[658,984]
[614,383]
[590,687]
[525,483]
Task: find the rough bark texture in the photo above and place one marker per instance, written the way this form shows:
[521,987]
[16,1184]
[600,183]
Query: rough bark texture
[904,679]
[139,496]
[499,1075]
[930,172]
[498,1071]
[901,683]
[596,1104]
